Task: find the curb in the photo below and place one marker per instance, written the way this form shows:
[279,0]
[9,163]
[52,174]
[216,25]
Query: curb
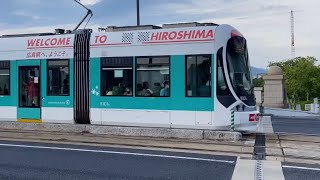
[193,134]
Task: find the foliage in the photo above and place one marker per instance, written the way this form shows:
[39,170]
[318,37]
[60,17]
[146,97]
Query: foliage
[258,82]
[303,74]
[303,103]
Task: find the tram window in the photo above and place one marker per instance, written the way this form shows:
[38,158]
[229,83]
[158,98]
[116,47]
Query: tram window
[238,66]
[153,77]
[58,78]
[4,78]
[117,76]
[198,76]
[222,87]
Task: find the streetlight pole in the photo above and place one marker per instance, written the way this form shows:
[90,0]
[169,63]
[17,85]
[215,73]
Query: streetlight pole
[138,13]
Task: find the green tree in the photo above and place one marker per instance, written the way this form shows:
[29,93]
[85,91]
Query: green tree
[258,82]
[303,77]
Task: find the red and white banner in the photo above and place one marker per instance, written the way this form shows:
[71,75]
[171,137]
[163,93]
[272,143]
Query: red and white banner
[38,47]
[175,41]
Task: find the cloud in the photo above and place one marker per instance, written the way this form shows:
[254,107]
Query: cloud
[26,14]
[45,29]
[216,8]
[90,2]
[265,24]
[33,2]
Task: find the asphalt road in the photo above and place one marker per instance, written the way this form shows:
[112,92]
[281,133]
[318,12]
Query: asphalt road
[53,161]
[297,125]
[293,171]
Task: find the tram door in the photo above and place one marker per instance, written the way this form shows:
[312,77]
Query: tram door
[29,93]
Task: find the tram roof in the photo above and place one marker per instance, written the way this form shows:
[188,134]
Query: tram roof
[147,27]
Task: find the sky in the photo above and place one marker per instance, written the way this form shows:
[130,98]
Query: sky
[265,24]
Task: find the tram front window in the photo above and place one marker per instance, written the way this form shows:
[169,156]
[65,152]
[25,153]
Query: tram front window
[239,69]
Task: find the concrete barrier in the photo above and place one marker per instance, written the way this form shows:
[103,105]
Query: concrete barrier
[146,132]
[43,127]
[126,131]
[222,135]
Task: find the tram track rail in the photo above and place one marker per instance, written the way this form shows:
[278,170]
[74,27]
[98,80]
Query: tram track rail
[241,148]
[279,146]
[295,147]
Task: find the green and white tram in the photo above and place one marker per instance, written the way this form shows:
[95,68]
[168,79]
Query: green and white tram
[188,75]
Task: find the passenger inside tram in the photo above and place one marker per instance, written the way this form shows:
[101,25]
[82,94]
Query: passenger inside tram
[165,90]
[32,90]
[127,92]
[109,92]
[118,90]
[156,90]
[146,91]
[139,89]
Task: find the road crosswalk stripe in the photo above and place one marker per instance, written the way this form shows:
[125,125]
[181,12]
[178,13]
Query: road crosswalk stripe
[246,169]
[303,168]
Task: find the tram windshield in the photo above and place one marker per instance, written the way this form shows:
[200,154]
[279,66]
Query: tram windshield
[239,69]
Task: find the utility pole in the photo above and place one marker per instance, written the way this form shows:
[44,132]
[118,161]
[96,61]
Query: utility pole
[138,13]
[293,50]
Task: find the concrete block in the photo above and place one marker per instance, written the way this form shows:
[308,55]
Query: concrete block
[222,135]
[146,132]
[193,134]
[42,127]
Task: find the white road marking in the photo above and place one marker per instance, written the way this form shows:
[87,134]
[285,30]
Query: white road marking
[298,134]
[265,125]
[118,152]
[273,170]
[303,168]
[244,169]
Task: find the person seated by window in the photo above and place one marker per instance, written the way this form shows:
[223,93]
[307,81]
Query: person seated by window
[157,88]
[146,91]
[118,90]
[127,92]
[139,89]
[109,92]
[165,90]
